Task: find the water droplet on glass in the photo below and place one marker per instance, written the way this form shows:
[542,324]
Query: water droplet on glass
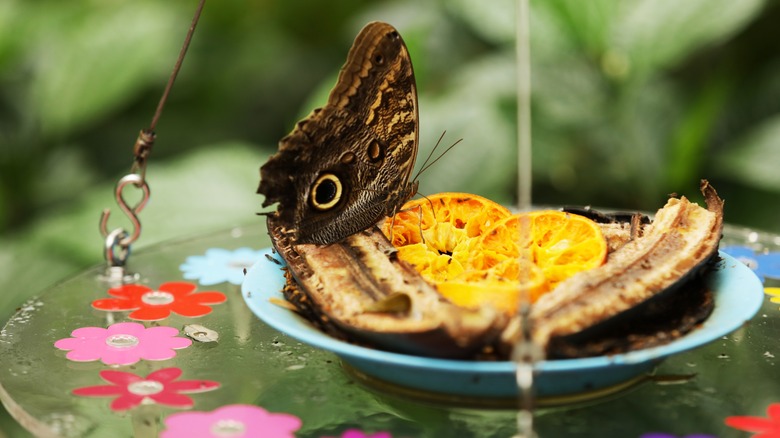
[68,425]
[749,262]
[157,298]
[145,387]
[240,264]
[228,428]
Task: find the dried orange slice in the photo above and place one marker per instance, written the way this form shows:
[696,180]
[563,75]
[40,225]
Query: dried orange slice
[471,249]
[450,223]
[560,244]
[477,288]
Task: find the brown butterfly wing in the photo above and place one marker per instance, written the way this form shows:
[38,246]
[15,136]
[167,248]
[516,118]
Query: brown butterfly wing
[365,138]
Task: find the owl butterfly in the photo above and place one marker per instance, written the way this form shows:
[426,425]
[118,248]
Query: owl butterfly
[348,164]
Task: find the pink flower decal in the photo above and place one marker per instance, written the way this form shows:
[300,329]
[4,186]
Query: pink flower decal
[124,343]
[151,305]
[355,433]
[764,427]
[159,386]
[234,421]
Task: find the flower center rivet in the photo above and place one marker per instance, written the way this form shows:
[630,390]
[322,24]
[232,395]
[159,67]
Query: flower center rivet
[122,341]
[157,298]
[145,387]
[228,428]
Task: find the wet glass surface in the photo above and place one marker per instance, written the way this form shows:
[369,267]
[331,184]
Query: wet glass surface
[689,393]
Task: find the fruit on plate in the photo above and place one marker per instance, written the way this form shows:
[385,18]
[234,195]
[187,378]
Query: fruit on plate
[362,290]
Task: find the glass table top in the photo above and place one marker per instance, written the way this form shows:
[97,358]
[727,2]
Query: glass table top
[67,367]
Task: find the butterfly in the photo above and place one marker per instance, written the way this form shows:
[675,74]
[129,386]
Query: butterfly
[348,164]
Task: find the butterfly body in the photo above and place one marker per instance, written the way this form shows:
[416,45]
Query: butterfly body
[348,164]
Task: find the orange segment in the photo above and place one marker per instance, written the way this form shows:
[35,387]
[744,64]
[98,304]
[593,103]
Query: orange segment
[449,223]
[473,252]
[560,244]
[476,288]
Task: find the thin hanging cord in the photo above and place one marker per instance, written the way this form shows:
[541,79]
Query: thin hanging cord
[143,145]
[525,352]
[177,67]
[117,242]
[524,168]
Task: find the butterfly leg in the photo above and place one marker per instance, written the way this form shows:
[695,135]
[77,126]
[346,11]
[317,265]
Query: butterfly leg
[419,223]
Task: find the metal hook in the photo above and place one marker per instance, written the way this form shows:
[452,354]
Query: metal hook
[130,212]
[113,257]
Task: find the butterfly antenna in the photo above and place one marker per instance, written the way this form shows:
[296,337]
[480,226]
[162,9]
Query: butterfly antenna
[427,166]
[429,155]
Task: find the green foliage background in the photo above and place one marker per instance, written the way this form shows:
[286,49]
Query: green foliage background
[632,100]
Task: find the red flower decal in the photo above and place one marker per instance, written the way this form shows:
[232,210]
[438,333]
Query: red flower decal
[764,427]
[158,387]
[148,304]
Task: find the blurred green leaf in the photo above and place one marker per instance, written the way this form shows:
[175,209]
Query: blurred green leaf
[9,32]
[570,92]
[656,34]
[495,23]
[65,174]
[755,159]
[688,144]
[90,56]
[472,109]
[588,27]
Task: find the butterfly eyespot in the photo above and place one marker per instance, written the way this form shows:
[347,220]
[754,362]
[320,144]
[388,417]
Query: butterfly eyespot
[375,152]
[379,59]
[326,192]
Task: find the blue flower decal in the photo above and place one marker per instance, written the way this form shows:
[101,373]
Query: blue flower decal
[220,265]
[765,265]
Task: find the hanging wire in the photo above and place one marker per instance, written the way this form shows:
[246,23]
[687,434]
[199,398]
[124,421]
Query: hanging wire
[523,47]
[526,352]
[118,241]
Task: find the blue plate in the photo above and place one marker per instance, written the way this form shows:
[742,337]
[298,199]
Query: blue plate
[738,296]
